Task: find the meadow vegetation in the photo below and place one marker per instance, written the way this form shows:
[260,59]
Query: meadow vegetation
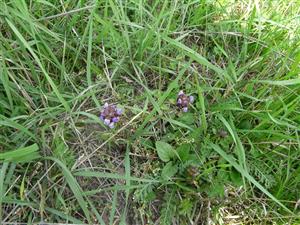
[231,158]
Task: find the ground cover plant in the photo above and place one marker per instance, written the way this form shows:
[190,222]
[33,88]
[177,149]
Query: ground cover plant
[149,112]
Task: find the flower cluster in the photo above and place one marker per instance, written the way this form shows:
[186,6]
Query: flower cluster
[183,101]
[110,114]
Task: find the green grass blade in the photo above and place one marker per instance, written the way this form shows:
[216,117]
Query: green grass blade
[195,55]
[128,181]
[73,184]
[11,123]
[280,82]
[113,208]
[89,60]
[244,173]
[51,82]
[87,173]
[239,146]
[21,155]
[95,211]
[2,186]
[180,124]
[202,105]
[5,82]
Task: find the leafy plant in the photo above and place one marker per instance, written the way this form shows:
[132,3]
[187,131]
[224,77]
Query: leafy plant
[234,150]
[165,151]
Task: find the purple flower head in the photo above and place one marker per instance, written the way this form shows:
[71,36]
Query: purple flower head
[106,121]
[183,101]
[192,99]
[111,125]
[115,119]
[180,93]
[110,114]
[119,111]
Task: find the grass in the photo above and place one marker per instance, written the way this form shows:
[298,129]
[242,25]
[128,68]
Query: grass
[233,158]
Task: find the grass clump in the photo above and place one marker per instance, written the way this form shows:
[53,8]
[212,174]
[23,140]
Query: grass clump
[228,155]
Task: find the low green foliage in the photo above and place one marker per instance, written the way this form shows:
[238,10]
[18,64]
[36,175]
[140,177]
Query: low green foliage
[233,158]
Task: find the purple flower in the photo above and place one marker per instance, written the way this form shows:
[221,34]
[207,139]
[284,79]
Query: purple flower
[180,93]
[183,101]
[110,115]
[115,119]
[111,125]
[106,121]
[192,99]
[119,111]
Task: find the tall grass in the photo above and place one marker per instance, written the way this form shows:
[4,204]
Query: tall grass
[235,153]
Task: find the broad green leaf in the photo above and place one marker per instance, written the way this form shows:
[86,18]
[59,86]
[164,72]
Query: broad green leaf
[184,152]
[169,171]
[216,190]
[165,151]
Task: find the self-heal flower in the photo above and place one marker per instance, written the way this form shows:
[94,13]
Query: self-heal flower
[191,99]
[111,125]
[183,101]
[110,114]
[119,111]
[115,119]
[107,122]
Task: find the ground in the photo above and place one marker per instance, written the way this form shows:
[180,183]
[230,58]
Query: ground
[209,130]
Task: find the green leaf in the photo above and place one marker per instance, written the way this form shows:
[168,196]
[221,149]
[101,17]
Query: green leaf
[75,187]
[11,123]
[24,154]
[2,187]
[280,82]
[236,178]
[187,118]
[169,171]
[245,124]
[178,123]
[165,151]
[87,173]
[244,173]
[186,207]
[55,212]
[195,55]
[39,63]
[216,190]
[168,208]
[184,152]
